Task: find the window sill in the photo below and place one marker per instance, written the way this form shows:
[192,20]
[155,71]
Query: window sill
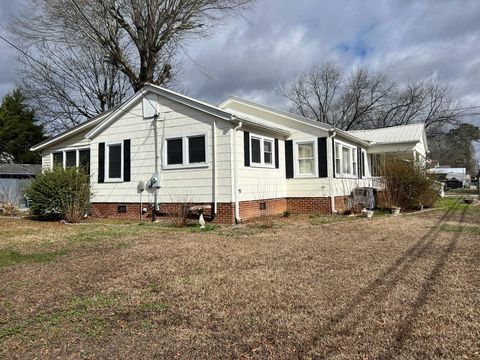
[185,167]
[306,176]
[260,166]
[347,177]
[113,181]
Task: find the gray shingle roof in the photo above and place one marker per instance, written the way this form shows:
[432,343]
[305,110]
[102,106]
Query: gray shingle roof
[20,169]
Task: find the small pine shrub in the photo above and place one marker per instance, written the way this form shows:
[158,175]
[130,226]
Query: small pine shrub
[60,194]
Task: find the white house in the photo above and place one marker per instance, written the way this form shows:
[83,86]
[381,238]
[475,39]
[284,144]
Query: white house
[241,158]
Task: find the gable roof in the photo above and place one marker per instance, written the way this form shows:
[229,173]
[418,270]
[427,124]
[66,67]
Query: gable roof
[293,117]
[100,122]
[185,100]
[20,169]
[412,133]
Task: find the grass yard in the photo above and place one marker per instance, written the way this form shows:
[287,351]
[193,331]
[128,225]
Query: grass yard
[310,287]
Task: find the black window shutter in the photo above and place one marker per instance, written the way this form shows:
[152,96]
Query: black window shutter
[246,148]
[101,163]
[126,160]
[322,157]
[364,159]
[333,154]
[359,162]
[289,159]
[277,160]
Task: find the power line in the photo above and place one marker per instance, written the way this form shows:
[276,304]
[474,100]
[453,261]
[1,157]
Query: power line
[51,70]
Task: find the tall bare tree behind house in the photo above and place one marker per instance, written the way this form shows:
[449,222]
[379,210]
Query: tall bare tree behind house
[95,53]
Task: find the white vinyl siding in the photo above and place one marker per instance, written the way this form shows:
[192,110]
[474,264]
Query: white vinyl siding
[185,183]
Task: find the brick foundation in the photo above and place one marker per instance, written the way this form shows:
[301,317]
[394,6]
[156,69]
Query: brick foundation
[226,211]
[309,205]
[341,204]
[256,208]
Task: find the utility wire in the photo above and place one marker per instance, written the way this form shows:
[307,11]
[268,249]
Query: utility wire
[53,71]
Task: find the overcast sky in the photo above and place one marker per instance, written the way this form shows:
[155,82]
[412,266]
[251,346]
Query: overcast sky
[251,55]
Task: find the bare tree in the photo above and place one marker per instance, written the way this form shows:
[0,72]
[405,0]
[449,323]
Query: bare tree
[67,84]
[109,41]
[368,100]
[315,94]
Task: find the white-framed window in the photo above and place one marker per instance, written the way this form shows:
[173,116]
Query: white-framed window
[72,157]
[186,151]
[261,151]
[346,160]
[305,158]
[114,161]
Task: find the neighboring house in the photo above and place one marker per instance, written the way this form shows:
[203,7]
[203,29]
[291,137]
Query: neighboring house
[13,179]
[241,158]
[452,174]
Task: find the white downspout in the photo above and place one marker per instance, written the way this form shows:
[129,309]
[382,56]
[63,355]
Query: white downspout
[214,150]
[235,173]
[331,136]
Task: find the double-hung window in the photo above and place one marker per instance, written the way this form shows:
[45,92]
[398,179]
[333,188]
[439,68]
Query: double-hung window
[114,161]
[305,154]
[186,151]
[261,151]
[346,160]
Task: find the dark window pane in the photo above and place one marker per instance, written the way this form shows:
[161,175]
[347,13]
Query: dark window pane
[174,152]
[58,159]
[196,149]
[115,161]
[84,160]
[256,154]
[71,159]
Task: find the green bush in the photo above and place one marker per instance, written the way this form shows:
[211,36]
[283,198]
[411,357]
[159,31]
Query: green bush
[406,185]
[60,193]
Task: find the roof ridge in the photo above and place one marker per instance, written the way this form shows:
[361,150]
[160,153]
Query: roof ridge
[389,127]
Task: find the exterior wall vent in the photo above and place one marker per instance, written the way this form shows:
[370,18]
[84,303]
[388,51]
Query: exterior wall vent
[121,209]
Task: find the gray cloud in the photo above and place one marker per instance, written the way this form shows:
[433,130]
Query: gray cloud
[251,55]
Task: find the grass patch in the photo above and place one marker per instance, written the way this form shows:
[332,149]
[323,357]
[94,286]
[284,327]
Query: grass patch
[452,204]
[9,257]
[462,192]
[97,301]
[154,306]
[10,331]
[460,228]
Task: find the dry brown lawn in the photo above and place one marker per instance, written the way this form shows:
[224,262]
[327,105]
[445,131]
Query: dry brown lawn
[404,288]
